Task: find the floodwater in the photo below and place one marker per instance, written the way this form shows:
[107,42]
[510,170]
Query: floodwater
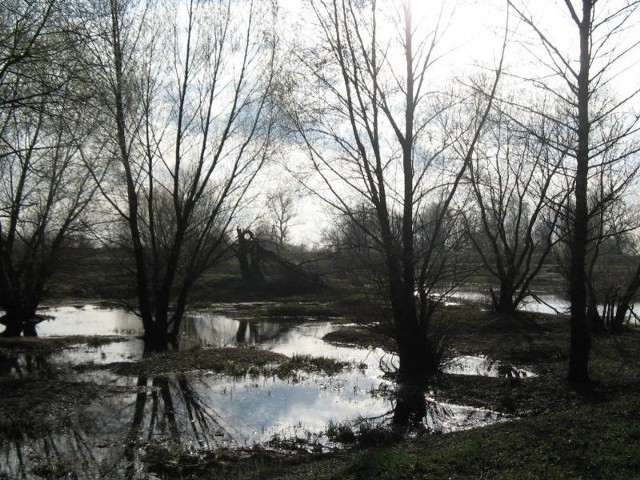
[484,366]
[545,303]
[203,410]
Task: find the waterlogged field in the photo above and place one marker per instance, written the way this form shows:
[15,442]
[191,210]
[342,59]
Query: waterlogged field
[113,408]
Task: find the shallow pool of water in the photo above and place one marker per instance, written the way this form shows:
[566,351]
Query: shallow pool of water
[202,410]
[484,366]
[546,303]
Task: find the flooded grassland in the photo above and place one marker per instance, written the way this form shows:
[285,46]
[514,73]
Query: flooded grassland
[257,382]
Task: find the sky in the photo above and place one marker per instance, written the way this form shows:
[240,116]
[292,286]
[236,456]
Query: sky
[471,43]
[472,36]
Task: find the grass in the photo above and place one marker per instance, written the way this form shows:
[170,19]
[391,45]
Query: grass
[16,345]
[597,441]
[374,463]
[310,364]
[359,336]
[230,361]
[227,361]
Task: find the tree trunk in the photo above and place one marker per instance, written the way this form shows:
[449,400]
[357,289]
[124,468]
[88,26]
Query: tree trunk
[417,354]
[625,302]
[156,339]
[594,319]
[622,309]
[20,322]
[503,303]
[411,405]
[580,335]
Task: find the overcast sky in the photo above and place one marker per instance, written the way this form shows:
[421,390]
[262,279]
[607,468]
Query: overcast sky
[472,41]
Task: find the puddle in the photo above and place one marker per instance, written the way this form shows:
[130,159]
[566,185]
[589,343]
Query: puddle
[87,320]
[484,366]
[548,304]
[445,418]
[204,410]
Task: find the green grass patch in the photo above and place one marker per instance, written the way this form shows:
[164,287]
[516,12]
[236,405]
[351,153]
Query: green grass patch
[227,361]
[310,364]
[374,463]
[595,441]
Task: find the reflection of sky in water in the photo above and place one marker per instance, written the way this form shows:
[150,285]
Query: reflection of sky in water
[550,304]
[484,366]
[129,350]
[545,303]
[206,410]
[255,412]
[254,409]
[88,320]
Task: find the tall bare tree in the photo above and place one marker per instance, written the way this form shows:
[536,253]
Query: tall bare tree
[584,67]
[184,87]
[44,188]
[370,133]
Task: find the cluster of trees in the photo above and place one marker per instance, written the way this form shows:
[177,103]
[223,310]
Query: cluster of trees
[517,160]
[148,124]
[157,118]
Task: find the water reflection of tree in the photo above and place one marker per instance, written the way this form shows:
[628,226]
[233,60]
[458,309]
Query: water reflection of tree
[258,334]
[31,448]
[169,410]
[216,330]
[62,450]
[414,411]
[22,365]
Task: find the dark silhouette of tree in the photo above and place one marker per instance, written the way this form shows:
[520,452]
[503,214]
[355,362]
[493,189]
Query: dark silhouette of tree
[249,256]
[184,90]
[514,179]
[281,211]
[368,122]
[599,127]
[44,187]
[611,262]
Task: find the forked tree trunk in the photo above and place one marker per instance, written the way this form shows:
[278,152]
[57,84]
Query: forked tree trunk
[20,322]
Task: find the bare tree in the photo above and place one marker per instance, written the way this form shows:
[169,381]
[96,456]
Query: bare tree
[611,263]
[355,255]
[281,209]
[184,86]
[29,36]
[44,187]
[514,179]
[582,81]
[369,133]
